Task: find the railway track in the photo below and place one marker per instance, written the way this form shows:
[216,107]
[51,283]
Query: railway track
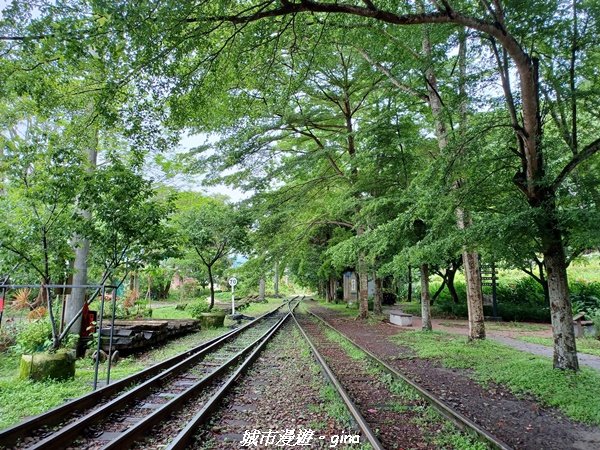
[314,329]
[182,390]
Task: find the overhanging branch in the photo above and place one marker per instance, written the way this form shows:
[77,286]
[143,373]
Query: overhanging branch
[589,151]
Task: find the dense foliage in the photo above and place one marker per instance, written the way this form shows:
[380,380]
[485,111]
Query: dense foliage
[373,136]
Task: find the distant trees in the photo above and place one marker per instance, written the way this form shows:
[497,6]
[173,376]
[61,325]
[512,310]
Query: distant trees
[213,229]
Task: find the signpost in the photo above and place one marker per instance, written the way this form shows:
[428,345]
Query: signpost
[232,283]
[489,277]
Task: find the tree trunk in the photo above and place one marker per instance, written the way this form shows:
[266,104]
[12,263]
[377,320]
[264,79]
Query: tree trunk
[276,280]
[450,284]
[166,290]
[363,282]
[136,283]
[261,289]
[363,291]
[473,279]
[441,288]
[211,282]
[409,293]
[378,299]
[425,299]
[333,286]
[149,290]
[474,295]
[82,250]
[544,282]
[565,349]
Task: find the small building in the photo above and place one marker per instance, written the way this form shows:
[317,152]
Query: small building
[582,327]
[351,286]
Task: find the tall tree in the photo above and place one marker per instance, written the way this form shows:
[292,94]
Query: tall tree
[214,229]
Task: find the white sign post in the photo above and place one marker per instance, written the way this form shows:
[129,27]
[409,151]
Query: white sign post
[232,283]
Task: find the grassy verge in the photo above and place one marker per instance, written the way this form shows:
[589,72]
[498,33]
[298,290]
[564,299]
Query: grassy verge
[332,404]
[426,417]
[170,312]
[575,394]
[584,345]
[22,398]
[501,326]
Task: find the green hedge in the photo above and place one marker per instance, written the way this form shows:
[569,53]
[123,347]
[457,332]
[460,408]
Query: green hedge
[521,300]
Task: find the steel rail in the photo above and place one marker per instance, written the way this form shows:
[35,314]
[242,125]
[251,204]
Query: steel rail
[354,411]
[162,370]
[461,421]
[70,432]
[133,434]
[185,436]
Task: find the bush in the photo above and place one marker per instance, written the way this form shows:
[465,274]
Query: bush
[595,317]
[523,291]
[585,297]
[34,337]
[140,309]
[521,313]
[198,307]
[8,335]
[190,289]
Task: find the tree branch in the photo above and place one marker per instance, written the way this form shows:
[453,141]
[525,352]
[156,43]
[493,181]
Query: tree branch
[403,87]
[589,151]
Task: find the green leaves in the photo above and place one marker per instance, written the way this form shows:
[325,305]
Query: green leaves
[129,224]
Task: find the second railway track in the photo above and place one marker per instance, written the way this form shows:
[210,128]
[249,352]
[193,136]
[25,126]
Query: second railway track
[394,408]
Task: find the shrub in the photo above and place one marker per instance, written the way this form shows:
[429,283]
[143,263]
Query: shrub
[34,337]
[8,335]
[595,317]
[198,307]
[523,291]
[585,297]
[190,288]
[521,313]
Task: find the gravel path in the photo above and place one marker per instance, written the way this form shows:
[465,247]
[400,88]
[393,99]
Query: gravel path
[520,422]
[507,337]
[283,391]
[542,350]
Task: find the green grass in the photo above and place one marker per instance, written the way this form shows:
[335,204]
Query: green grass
[514,326]
[585,268]
[575,394]
[22,398]
[343,309]
[584,345]
[502,326]
[169,312]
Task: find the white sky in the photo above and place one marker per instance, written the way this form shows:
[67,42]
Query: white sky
[195,183]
